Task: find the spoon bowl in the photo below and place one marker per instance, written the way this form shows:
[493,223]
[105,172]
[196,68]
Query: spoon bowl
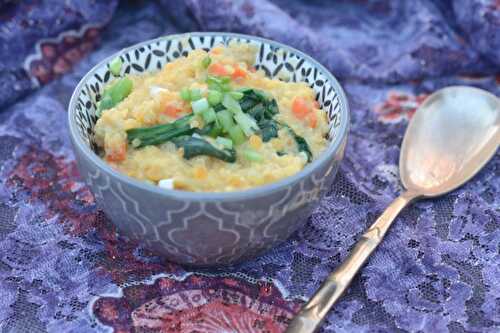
[451,137]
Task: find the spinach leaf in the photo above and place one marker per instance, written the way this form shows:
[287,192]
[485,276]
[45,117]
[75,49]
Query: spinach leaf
[258,104]
[268,129]
[301,143]
[196,146]
[262,108]
[155,135]
[213,130]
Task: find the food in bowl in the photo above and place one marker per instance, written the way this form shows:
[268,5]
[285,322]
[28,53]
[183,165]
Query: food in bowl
[209,122]
[206,228]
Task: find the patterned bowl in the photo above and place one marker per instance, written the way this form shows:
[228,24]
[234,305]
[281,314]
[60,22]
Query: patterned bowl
[208,228]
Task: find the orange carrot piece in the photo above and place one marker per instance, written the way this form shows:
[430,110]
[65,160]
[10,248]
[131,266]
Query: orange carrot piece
[217,69]
[118,154]
[312,120]
[300,108]
[172,111]
[238,72]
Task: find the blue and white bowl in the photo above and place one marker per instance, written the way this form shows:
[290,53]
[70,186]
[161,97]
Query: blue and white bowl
[208,228]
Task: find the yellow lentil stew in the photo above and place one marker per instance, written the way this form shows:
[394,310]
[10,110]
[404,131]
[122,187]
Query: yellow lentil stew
[209,122]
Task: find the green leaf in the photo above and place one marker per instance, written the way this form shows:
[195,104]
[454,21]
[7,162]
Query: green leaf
[301,143]
[268,129]
[196,147]
[159,134]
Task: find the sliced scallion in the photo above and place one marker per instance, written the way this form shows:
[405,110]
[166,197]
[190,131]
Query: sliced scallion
[115,66]
[105,103]
[237,95]
[213,80]
[247,123]
[237,135]
[199,106]
[252,155]
[209,115]
[214,97]
[195,94]
[185,94]
[231,104]
[225,142]
[120,90]
[225,119]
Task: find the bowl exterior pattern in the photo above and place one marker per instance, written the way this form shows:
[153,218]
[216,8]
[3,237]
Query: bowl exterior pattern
[207,232]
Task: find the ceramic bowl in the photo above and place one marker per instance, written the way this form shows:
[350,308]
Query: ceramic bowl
[205,229]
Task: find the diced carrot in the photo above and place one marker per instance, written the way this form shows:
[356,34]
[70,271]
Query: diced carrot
[216,50]
[255,141]
[200,173]
[172,111]
[235,182]
[300,108]
[238,72]
[217,69]
[118,153]
[312,120]
[316,104]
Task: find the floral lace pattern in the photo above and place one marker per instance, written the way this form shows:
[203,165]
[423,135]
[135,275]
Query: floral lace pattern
[64,268]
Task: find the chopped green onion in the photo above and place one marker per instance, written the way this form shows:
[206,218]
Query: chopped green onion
[105,103]
[225,87]
[230,103]
[225,119]
[246,123]
[237,95]
[252,155]
[206,62]
[185,94]
[115,66]
[214,87]
[195,94]
[225,79]
[237,135]
[120,90]
[114,95]
[213,83]
[136,142]
[214,97]
[213,80]
[200,106]
[208,115]
[216,129]
[225,142]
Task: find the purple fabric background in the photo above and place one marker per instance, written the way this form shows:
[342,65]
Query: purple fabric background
[63,267]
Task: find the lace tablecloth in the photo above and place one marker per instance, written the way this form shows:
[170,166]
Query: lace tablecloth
[63,268]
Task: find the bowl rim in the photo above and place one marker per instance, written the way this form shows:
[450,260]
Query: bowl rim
[258,191]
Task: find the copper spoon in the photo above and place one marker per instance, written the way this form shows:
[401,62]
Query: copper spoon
[453,134]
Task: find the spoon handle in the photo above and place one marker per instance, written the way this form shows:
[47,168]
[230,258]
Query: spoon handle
[311,316]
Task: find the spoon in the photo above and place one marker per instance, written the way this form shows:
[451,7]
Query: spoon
[450,138]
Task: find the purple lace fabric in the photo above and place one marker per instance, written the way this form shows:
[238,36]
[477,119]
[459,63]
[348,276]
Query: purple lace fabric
[63,267]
